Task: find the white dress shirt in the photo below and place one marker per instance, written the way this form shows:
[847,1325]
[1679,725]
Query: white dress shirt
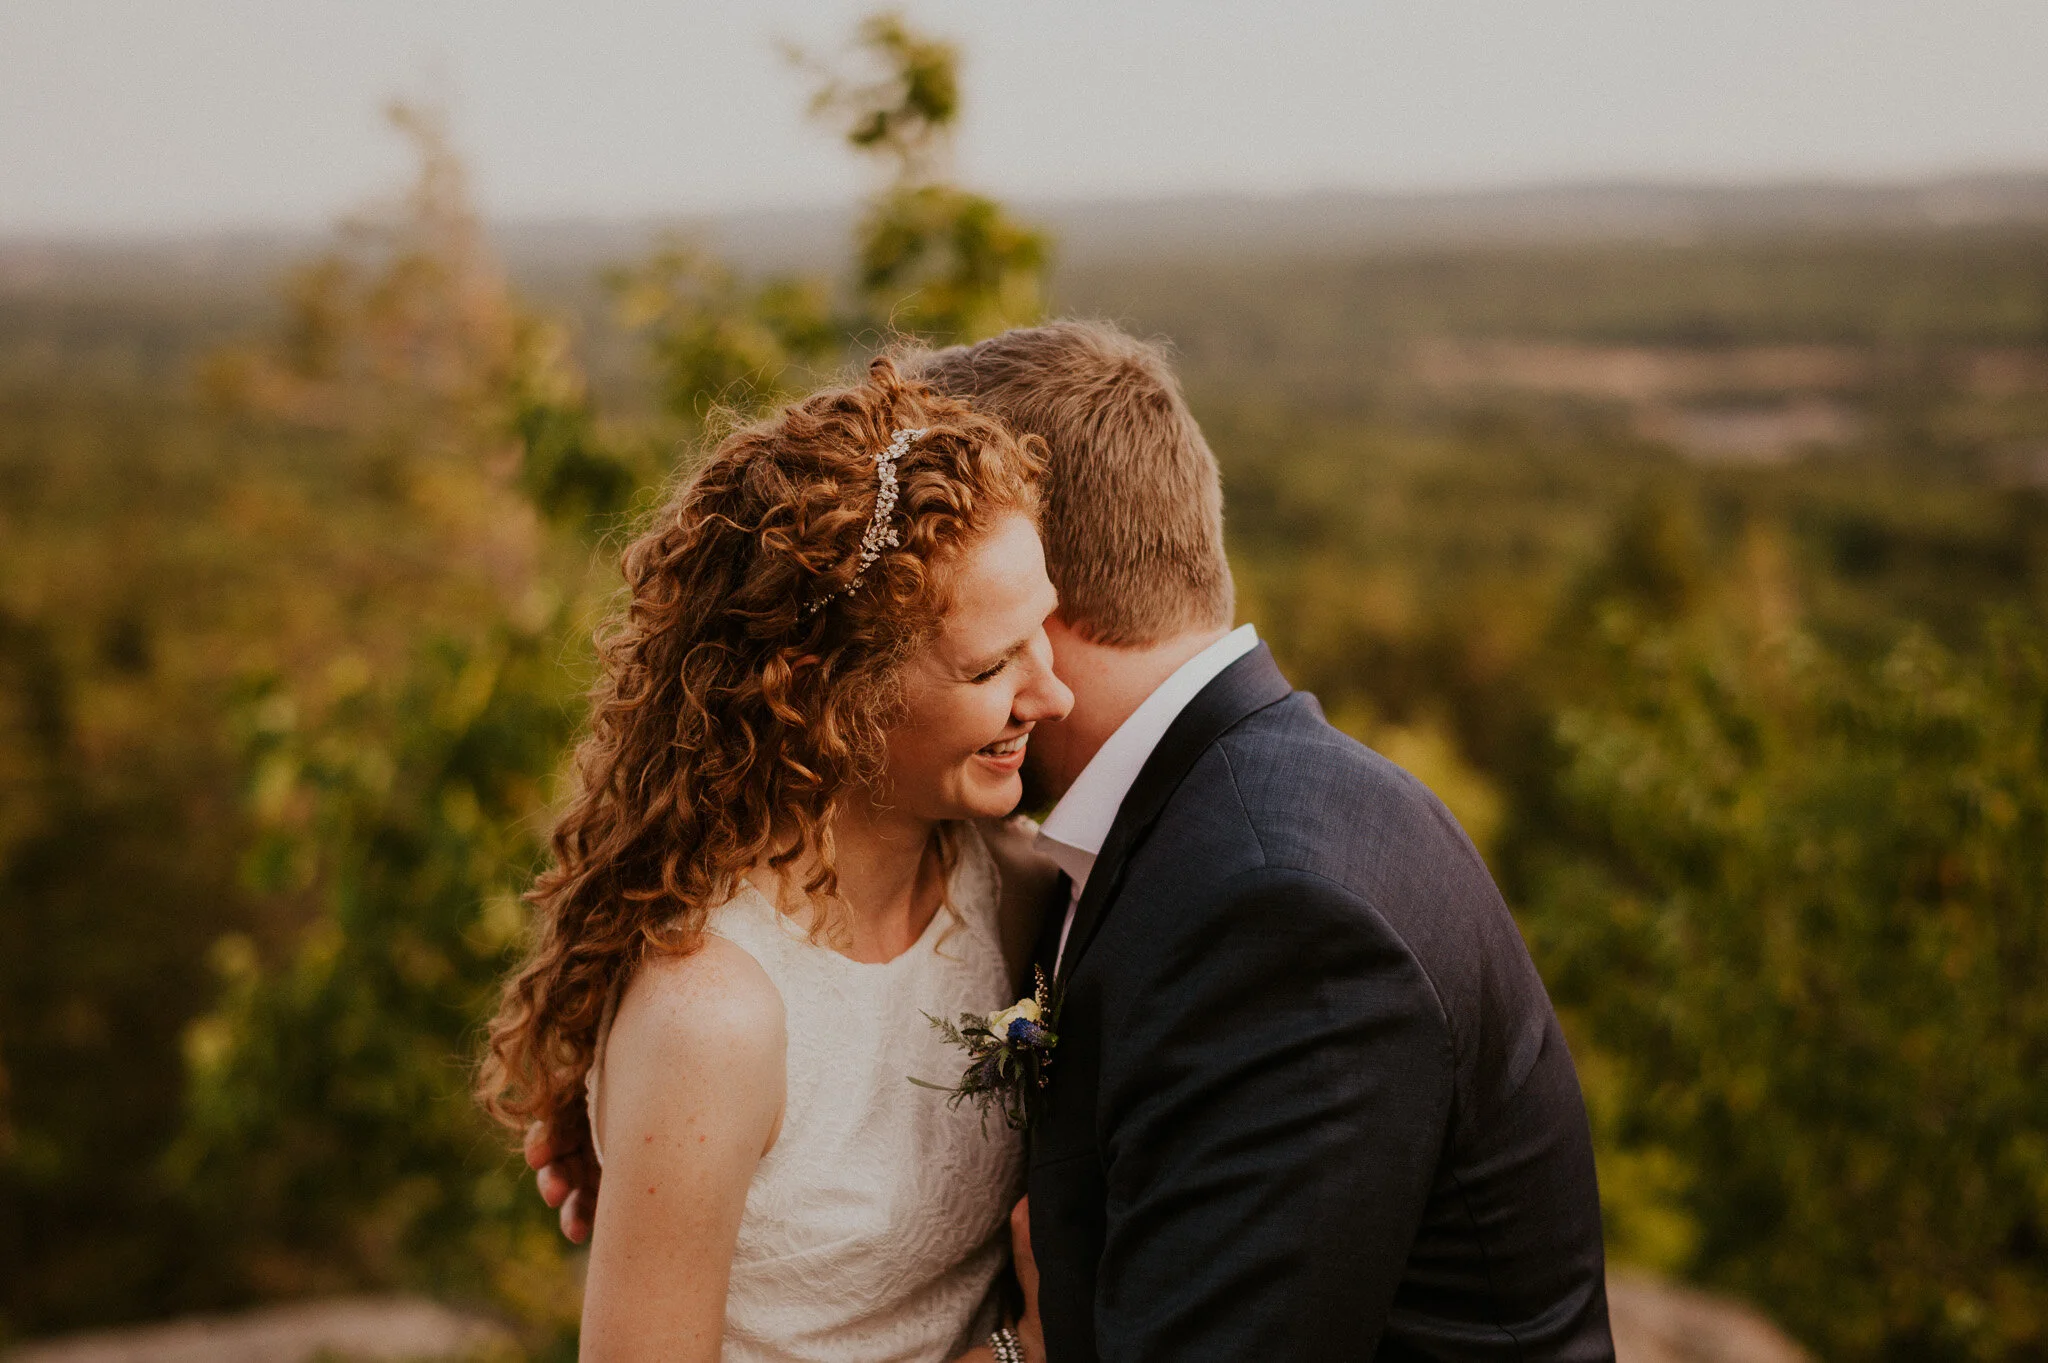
[1074,832]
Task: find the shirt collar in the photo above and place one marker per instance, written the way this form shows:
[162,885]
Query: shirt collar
[1074,832]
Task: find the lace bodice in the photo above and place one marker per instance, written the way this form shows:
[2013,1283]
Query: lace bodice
[876,1224]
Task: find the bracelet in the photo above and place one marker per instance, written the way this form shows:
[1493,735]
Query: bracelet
[1005,1346]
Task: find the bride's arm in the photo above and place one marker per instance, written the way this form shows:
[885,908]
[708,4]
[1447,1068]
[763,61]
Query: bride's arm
[1029,881]
[691,1099]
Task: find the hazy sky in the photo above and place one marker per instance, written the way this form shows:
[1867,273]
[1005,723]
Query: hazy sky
[180,114]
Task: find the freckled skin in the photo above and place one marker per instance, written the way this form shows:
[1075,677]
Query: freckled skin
[697,1047]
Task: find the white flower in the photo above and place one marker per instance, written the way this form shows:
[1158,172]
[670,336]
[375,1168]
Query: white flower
[1026,1008]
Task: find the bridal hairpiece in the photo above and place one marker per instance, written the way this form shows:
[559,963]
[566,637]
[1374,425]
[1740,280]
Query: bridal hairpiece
[881,531]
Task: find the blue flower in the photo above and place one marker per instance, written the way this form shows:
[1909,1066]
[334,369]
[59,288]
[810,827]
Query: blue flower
[1024,1032]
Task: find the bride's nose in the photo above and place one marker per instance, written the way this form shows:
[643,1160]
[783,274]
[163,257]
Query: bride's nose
[1046,698]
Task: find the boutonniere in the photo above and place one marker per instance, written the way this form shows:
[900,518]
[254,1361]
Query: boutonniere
[1008,1055]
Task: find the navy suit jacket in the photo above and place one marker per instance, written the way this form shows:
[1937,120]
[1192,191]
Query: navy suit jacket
[1310,1100]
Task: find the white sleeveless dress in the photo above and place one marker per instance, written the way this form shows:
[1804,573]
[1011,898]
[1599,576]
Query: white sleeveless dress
[876,1224]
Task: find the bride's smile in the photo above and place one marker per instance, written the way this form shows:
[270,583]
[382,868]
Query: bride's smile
[971,699]
[999,754]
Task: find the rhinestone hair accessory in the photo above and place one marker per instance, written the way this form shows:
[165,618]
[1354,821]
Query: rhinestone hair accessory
[881,531]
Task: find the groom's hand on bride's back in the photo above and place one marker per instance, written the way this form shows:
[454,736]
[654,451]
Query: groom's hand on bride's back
[567,1176]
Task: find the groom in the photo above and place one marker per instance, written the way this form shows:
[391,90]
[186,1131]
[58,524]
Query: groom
[1310,1100]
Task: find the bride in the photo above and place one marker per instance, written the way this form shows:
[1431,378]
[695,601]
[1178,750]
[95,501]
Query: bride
[829,664]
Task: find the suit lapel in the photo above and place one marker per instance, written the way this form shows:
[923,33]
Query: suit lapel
[1248,685]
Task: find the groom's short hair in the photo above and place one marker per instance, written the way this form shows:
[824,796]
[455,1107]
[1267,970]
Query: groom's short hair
[1132,507]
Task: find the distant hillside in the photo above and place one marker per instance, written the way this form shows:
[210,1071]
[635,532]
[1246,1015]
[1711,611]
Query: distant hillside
[1217,224]
[1093,232]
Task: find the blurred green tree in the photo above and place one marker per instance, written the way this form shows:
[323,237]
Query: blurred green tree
[1801,919]
[330,1136]
[933,260]
[93,989]
[719,342]
[331,1139]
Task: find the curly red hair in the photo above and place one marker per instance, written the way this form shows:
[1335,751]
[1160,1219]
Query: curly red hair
[730,719]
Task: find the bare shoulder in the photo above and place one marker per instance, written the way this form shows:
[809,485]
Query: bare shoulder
[692,1100]
[1029,880]
[711,1017]
[716,996]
